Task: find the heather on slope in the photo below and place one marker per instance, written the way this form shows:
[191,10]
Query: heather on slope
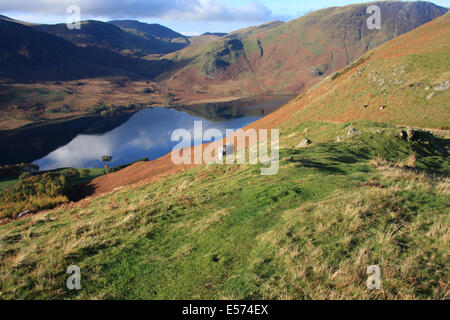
[295,55]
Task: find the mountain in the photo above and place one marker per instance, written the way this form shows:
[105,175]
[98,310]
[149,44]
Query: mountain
[160,32]
[108,36]
[203,39]
[405,81]
[27,54]
[217,34]
[2,17]
[244,33]
[295,55]
[147,30]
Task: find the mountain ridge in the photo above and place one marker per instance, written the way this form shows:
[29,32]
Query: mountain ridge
[109,36]
[148,29]
[296,54]
[27,54]
[280,59]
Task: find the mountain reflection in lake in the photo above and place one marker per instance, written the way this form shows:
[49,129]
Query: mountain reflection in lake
[147,134]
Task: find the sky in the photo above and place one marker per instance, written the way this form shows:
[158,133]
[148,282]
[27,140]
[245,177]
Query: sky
[190,17]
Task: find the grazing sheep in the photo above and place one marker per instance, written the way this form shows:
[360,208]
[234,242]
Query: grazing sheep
[225,150]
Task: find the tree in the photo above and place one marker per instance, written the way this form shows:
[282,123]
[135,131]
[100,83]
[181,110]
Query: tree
[106,159]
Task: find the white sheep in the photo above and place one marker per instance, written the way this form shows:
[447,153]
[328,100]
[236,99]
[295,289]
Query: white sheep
[225,150]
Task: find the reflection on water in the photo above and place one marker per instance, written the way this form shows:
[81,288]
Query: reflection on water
[34,142]
[147,134]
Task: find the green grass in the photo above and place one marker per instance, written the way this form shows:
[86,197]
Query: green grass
[309,232]
[215,231]
[6,183]
[93,173]
[42,95]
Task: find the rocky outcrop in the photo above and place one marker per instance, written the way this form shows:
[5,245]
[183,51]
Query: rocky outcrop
[23,214]
[443,86]
[421,136]
[353,132]
[411,134]
[304,143]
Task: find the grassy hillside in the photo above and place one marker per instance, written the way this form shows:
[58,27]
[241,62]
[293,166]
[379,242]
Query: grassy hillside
[204,38]
[225,231]
[244,33]
[148,30]
[294,55]
[27,54]
[409,76]
[309,232]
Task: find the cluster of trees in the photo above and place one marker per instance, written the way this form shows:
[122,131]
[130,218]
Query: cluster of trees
[36,192]
[15,170]
[113,110]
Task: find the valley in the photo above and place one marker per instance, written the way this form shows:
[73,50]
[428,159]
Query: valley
[243,64]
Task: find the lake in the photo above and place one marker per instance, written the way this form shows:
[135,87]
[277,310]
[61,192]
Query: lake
[82,143]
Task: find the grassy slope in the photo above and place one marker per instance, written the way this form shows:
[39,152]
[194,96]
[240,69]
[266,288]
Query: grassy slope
[244,33]
[6,183]
[227,232]
[147,30]
[400,74]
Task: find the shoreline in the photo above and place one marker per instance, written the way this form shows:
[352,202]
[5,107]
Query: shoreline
[192,104]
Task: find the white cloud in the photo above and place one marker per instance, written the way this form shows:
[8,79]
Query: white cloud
[190,10]
[144,141]
[78,152]
[214,10]
[190,33]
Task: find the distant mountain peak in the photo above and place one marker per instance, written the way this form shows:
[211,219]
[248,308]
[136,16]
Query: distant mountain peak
[289,57]
[218,34]
[112,37]
[147,29]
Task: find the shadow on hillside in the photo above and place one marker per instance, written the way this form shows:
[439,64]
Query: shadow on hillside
[81,191]
[172,67]
[312,164]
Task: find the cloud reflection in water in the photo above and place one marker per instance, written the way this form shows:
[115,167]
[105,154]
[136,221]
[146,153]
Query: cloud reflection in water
[145,135]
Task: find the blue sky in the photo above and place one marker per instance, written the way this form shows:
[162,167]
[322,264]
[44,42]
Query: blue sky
[190,17]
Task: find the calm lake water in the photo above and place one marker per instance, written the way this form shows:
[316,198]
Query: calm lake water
[82,143]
